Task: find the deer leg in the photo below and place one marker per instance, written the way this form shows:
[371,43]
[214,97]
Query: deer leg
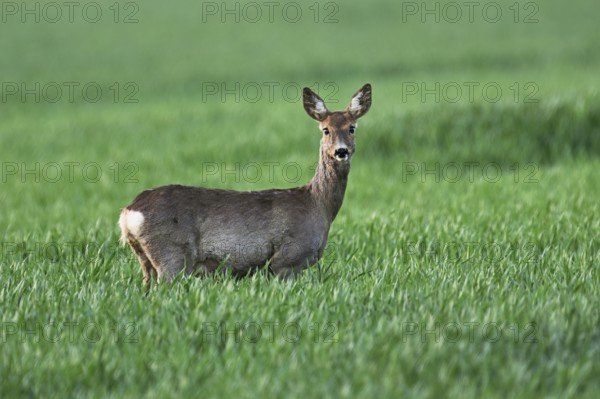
[169,261]
[147,266]
[288,261]
[203,267]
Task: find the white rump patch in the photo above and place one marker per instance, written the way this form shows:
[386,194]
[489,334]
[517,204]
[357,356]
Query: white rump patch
[131,222]
[355,104]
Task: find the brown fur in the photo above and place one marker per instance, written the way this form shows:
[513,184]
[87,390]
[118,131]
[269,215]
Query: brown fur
[195,229]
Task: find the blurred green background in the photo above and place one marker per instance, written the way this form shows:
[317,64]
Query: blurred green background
[190,85]
[164,71]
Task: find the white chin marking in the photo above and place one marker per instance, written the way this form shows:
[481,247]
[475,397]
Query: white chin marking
[131,222]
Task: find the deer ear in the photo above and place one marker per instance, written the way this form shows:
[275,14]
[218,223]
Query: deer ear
[314,105]
[361,102]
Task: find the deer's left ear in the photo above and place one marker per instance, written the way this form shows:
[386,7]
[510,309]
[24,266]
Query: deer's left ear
[361,102]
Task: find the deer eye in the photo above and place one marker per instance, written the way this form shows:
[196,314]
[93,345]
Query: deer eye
[325,130]
[352,129]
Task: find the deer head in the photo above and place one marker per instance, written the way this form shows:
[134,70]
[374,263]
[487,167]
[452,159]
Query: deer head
[337,144]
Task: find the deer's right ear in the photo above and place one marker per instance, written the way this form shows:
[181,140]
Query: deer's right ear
[314,105]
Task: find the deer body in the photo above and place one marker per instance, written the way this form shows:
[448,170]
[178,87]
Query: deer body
[178,228]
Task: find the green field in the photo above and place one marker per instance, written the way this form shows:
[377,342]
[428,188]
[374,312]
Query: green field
[463,263]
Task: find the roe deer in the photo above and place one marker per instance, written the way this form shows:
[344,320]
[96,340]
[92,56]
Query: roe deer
[178,228]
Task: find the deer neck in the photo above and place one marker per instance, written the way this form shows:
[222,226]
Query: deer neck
[328,185]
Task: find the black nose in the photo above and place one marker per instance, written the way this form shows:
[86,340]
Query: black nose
[341,152]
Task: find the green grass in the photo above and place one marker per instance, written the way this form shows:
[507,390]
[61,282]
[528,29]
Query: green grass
[463,263]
